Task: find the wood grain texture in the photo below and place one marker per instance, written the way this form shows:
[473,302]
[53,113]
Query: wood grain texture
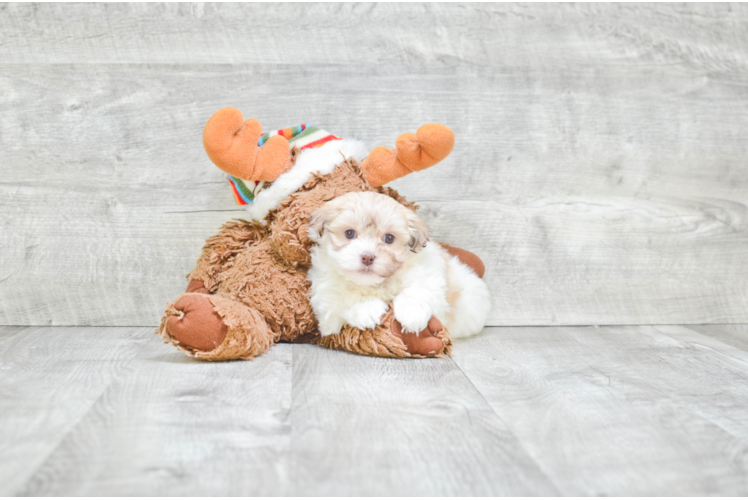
[50,378]
[420,34]
[616,411]
[734,335]
[620,410]
[605,260]
[378,427]
[600,164]
[9,331]
[176,426]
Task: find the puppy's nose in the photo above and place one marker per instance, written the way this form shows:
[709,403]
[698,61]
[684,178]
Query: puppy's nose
[368,258]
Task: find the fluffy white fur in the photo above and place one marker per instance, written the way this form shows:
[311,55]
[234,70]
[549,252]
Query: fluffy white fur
[322,159]
[420,278]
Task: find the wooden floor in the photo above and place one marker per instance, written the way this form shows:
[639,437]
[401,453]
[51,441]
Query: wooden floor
[642,410]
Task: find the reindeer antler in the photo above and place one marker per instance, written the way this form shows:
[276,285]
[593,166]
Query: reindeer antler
[427,147]
[231,143]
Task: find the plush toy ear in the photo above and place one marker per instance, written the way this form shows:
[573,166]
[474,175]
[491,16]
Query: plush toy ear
[427,147]
[320,218]
[231,143]
[419,232]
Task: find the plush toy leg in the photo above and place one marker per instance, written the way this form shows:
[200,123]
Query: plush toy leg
[427,147]
[388,340]
[468,258]
[215,328]
[233,238]
[231,143]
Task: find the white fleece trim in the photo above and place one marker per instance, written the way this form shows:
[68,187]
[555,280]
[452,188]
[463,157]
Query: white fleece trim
[322,159]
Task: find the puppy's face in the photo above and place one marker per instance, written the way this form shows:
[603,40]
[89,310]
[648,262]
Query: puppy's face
[368,235]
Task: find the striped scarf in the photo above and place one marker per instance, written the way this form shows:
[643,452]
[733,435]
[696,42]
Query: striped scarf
[304,136]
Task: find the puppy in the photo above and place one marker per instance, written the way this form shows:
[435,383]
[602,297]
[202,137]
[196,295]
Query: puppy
[371,250]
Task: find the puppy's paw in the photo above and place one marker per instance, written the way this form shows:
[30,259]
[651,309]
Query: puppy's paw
[330,325]
[412,313]
[366,314]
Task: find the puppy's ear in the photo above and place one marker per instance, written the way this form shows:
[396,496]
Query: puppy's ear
[320,218]
[419,232]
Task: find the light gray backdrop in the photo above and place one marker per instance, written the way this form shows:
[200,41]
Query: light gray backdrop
[600,167]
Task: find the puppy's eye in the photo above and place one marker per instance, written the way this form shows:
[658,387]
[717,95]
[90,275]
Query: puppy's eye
[350,234]
[388,238]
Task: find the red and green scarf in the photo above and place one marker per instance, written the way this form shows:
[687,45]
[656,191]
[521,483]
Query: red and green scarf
[304,136]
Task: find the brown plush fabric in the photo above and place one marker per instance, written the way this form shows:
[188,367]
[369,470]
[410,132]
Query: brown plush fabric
[379,341]
[254,276]
[468,258]
[218,251]
[280,293]
[388,340]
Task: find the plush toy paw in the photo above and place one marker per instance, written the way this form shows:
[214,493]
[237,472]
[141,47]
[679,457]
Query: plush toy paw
[231,143]
[366,314]
[425,342]
[411,312]
[197,326]
[215,327]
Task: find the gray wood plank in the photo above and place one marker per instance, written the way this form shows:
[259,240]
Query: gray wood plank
[370,426]
[50,378]
[651,231]
[619,410]
[504,34]
[9,331]
[177,426]
[716,388]
[642,410]
[734,335]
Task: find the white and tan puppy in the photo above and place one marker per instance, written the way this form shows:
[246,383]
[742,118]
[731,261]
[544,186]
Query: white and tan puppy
[371,250]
